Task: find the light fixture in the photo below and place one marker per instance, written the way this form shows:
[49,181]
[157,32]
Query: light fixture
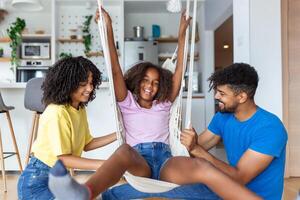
[3,11]
[226,46]
[27,5]
[174,6]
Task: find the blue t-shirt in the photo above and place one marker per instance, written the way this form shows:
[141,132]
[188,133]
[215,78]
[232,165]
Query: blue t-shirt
[263,133]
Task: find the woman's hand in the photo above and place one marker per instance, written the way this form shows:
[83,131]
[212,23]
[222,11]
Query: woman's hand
[184,23]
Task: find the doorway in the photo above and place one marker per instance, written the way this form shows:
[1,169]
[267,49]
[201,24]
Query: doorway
[291,82]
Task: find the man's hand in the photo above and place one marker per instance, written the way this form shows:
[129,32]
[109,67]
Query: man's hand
[188,138]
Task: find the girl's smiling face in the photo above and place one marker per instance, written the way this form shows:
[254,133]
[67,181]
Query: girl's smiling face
[149,85]
[83,92]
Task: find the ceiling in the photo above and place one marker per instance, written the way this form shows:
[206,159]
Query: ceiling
[132,6]
[7,6]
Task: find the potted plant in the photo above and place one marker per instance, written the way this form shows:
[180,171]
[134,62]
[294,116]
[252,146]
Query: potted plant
[65,55]
[1,52]
[14,33]
[87,36]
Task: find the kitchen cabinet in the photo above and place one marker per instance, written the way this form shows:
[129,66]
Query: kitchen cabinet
[63,40]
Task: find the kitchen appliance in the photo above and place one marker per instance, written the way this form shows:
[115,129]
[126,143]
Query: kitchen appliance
[35,50]
[138,32]
[135,51]
[24,74]
[36,63]
[32,69]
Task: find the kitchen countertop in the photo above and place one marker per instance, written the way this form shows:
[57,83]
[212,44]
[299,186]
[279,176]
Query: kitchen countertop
[12,85]
[194,95]
[23,85]
[104,85]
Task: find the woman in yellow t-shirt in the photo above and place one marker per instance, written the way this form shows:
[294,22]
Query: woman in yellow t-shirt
[63,132]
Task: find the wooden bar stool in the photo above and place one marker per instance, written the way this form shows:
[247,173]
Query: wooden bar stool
[33,102]
[3,155]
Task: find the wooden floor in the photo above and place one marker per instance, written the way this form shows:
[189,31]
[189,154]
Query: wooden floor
[291,187]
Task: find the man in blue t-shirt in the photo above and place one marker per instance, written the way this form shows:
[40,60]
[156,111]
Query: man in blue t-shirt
[254,139]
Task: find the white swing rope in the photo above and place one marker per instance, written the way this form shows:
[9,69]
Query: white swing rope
[188,113]
[105,48]
[140,183]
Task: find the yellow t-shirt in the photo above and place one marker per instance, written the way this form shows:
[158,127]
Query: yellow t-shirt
[62,130]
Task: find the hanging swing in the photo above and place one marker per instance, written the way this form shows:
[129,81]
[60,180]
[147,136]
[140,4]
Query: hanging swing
[143,184]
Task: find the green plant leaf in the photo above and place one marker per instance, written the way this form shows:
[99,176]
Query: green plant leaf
[87,37]
[14,33]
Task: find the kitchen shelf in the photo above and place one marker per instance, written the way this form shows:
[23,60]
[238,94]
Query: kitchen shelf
[163,58]
[4,40]
[63,40]
[96,54]
[36,36]
[167,40]
[5,59]
[171,40]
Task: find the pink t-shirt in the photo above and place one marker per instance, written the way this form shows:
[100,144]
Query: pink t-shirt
[145,125]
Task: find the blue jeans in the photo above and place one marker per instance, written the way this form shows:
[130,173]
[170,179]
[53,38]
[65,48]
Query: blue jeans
[33,182]
[187,192]
[156,154]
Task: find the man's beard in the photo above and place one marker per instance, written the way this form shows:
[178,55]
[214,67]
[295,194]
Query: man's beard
[225,109]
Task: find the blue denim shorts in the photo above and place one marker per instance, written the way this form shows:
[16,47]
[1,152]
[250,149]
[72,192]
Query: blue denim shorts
[156,154]
[33,182]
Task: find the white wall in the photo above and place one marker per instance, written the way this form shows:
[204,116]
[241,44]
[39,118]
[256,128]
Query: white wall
[217,12]
[257,39]
[241,32]
[265,52]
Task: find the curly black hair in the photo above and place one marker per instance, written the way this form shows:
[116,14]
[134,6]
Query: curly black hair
[63,79]
[240,77]
[134,76]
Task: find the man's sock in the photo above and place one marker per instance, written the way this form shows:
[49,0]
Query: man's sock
[63,186]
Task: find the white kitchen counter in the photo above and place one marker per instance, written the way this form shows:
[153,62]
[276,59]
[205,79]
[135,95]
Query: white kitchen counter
[23,85]
[12,85]
[194,95]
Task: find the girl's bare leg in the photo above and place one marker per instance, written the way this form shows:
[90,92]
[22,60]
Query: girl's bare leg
[124,159]
[184,170]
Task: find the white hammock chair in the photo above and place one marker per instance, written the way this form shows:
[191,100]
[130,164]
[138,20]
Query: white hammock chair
[143,184]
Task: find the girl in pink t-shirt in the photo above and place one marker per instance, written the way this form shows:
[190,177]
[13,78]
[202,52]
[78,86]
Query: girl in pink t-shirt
[144,94]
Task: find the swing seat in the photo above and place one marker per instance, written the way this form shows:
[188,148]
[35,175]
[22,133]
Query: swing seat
[149,185]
